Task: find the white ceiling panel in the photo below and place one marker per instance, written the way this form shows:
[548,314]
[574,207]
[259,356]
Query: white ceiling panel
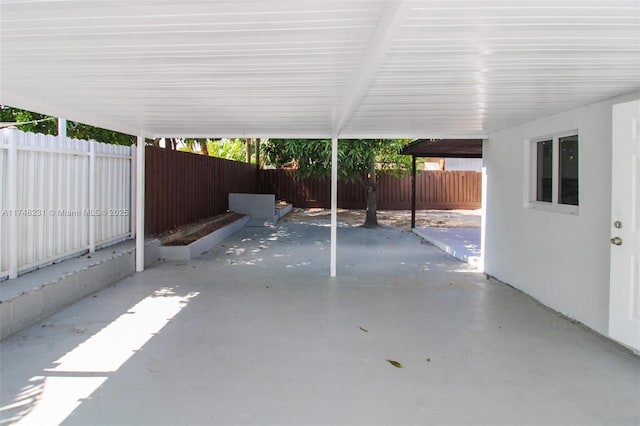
[315,68]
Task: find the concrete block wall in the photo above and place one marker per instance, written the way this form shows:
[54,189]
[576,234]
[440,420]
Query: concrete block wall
[36,295]
[258,206]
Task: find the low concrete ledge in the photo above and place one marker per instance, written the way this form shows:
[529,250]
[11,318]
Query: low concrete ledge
[279,212]
[284,210]
[202,245]
[261,207]
[461,243]
[38,294]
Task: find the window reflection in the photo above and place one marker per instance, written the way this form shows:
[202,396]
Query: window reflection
[544,171]
[568,170]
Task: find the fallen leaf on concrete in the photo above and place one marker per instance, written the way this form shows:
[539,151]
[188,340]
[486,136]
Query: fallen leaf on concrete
[394,363]
[364,329]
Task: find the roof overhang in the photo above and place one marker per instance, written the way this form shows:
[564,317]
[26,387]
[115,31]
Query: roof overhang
[444,148]
[315,68]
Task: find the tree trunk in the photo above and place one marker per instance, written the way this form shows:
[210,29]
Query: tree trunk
[258,140]
[371,219]
[203,147]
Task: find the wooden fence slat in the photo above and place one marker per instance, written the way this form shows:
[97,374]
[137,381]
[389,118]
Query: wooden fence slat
[434,190]
[183,188]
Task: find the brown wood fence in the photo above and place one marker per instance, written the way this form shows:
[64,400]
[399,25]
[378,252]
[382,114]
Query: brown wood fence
[434,190]
[183,188]
[286,185]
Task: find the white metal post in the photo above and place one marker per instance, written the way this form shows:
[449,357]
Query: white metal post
[92,196]
[140,205]
[132,191]
[12,228]
[334,203]
[62,128]
[483,218]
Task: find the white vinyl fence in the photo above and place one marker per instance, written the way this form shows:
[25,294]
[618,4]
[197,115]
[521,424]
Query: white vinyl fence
[60,197]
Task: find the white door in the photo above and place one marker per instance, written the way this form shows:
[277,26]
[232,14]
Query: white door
[624,297]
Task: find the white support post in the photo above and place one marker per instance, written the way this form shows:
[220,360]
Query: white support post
[92,196]
[140,205]
[12,228]
[132,191]
[334,203]
[62,128]
[483,217]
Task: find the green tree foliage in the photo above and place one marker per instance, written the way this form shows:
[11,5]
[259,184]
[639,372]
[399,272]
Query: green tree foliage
[231,149]
[358,160]
[49,126]
[275,152]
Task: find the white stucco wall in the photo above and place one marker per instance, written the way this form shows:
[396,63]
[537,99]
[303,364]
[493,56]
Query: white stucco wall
[560,259]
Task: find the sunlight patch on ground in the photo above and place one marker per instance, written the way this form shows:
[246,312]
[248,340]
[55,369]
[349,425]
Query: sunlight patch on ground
[81,371]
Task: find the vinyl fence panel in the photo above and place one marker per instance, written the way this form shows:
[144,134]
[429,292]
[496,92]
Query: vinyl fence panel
[59,197]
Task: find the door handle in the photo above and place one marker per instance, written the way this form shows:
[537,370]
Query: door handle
[616,241]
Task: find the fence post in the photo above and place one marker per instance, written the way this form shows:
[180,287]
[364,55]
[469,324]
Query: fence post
[62,128]
[12,182]
[92,196]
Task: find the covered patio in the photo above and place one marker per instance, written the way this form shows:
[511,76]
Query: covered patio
[316,69]
[255,332]
[297,324]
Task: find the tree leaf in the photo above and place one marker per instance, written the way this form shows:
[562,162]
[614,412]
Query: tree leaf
[364,329]
[394,363]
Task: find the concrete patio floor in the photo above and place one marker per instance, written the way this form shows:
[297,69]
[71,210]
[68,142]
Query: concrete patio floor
[255,332]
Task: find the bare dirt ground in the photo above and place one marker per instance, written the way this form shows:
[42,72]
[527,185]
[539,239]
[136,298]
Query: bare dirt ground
[395,218]
[186,234]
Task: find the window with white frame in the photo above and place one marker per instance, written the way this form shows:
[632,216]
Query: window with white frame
[554,172]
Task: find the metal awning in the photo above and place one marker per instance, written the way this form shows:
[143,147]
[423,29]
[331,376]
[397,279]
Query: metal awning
[315,68]
[444,148]
[438,148]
